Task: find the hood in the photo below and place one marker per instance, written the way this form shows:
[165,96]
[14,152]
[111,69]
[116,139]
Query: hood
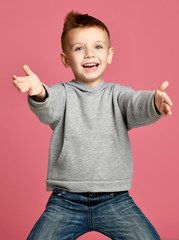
[85,87]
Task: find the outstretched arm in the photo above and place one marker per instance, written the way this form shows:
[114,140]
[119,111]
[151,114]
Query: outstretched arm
[30,84]
[162,100]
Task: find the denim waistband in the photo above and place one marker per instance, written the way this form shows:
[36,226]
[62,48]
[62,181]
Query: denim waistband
[93,194]
[97,194]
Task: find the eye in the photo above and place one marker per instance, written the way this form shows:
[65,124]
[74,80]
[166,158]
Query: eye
[78,48]
[99,47]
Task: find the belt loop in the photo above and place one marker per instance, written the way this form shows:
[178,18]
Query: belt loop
[64,192]
[112,195]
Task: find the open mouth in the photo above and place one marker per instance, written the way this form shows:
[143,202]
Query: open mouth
[92,66]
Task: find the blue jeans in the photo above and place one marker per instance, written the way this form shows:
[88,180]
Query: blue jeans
[70,215]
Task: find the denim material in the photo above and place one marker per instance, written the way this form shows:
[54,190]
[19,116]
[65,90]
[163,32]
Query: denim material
[69,215]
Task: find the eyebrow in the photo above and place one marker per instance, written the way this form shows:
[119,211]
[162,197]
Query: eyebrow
[101,42]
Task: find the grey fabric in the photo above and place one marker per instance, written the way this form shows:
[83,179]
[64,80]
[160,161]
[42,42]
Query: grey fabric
[90,149]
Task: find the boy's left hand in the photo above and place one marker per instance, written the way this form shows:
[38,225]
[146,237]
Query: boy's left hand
[162,100]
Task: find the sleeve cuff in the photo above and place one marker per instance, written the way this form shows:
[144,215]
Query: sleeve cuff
[34,103]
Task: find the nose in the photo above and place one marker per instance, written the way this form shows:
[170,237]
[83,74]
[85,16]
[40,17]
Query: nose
[89,53]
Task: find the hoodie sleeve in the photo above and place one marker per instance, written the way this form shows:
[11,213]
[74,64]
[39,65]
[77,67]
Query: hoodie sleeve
[50,111]
[137,107]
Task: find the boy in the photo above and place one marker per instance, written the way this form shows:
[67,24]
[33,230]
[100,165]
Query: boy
[90,163]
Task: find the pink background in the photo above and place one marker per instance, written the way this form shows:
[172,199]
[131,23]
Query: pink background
[145,35]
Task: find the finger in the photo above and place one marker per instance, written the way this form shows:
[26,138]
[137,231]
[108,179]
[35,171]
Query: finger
[18,85]
[19,80]
[163,86]
[27,70]
[15,84]
[166,110]
[168,101]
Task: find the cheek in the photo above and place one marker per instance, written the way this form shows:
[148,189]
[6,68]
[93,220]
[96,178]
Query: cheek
[76,60]
[105,59]
[73,63]
[104,56]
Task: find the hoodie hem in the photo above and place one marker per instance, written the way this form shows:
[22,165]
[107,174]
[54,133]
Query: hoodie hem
[90,186]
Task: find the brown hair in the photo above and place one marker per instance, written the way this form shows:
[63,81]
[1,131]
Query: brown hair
[77,20]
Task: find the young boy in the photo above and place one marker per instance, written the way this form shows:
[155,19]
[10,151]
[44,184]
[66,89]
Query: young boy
[90,164]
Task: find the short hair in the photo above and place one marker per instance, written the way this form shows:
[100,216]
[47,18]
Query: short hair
[77,20]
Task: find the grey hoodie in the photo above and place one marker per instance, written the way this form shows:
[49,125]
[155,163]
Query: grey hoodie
[90,149]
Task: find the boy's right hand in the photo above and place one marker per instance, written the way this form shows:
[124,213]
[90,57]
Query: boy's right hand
[30,84]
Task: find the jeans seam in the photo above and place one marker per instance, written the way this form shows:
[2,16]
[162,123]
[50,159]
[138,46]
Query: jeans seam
[89,218]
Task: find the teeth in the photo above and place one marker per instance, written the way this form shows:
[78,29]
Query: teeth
[89,64]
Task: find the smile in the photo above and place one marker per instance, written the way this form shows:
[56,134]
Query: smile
[90,67]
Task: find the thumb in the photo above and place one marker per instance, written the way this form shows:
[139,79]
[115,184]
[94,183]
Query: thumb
[27,70]
[163,86]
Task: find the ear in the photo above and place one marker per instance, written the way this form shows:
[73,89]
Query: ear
[110,55]
[64,59]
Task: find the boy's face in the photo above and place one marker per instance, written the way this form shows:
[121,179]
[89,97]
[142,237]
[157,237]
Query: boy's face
[87,52]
